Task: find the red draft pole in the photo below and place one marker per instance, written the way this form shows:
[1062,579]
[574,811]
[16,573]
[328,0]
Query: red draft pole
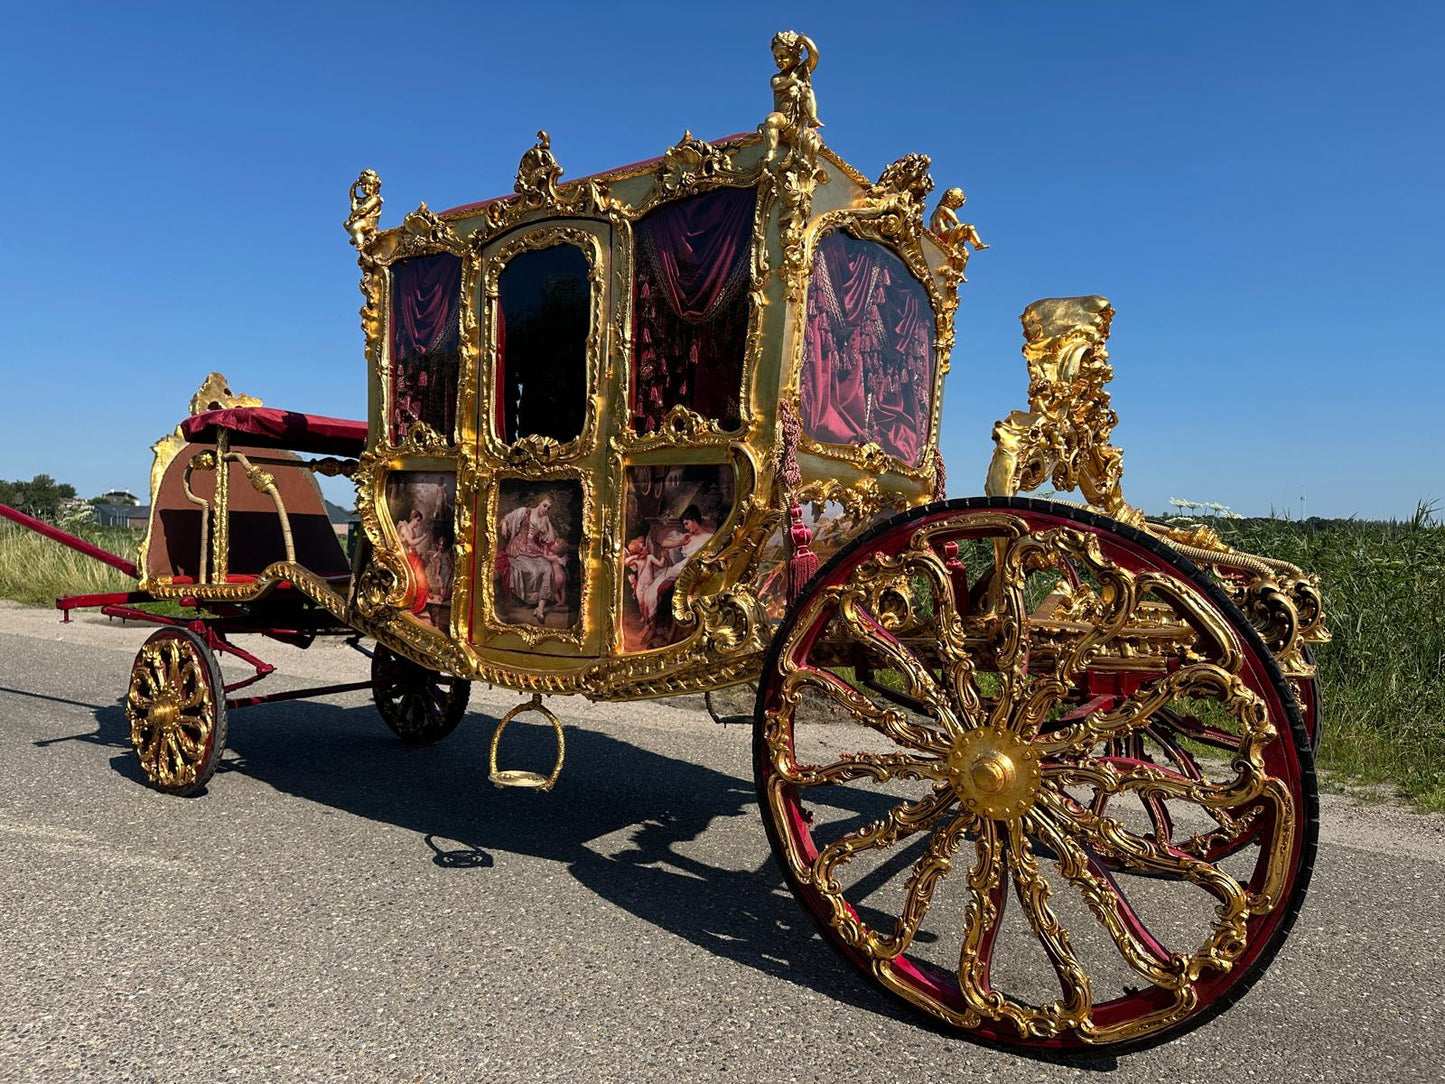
[65,538]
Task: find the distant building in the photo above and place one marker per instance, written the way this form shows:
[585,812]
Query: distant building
[134,516]
[340,520]
[118,497]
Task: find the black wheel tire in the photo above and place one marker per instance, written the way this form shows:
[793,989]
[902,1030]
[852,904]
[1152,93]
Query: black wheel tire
[419,705]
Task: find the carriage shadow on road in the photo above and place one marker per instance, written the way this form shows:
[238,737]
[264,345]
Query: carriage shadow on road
[344,758]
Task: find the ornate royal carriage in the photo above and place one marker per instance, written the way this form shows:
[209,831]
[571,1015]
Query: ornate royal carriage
[616,424]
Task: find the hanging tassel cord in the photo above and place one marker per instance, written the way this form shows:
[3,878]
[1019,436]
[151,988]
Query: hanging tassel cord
[802,561]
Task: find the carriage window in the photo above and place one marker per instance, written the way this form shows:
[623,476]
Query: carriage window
[542,326]
[868,349]
[690,307]
[425,343]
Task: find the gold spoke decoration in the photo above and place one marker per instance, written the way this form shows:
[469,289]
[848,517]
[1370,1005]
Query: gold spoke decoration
[901,822]
[1140,950]
[1136,711]
[988,895]
[890,722]
[1076,1005]
[930,868]
[878,767]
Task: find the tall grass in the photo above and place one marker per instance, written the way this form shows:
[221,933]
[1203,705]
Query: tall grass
[1383,676]
[36,570]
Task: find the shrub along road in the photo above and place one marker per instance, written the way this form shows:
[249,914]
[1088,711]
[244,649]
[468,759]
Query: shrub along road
[339,907]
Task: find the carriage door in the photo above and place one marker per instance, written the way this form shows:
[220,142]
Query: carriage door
[544,308]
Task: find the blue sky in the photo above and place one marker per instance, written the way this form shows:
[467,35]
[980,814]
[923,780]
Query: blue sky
[1255,187]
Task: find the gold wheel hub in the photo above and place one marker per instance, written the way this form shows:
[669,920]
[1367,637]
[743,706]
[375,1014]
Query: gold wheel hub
[995,774]
[165,713]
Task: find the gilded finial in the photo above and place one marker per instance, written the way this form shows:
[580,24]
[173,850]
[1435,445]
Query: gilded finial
[795,108]
[365,210]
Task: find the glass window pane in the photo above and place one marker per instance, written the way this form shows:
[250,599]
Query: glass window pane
[543,322]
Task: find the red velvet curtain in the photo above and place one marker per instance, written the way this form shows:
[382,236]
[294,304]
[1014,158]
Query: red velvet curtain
[868,349]
[690,306]
[425,342]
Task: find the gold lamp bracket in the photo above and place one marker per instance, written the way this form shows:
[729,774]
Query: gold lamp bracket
[513,777]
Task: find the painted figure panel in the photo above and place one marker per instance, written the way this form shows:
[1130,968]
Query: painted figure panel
[538,566]
[672,512]
[422,506]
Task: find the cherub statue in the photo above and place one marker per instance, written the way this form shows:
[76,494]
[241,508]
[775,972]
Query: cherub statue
[365,209]
[794,106]
[946,225]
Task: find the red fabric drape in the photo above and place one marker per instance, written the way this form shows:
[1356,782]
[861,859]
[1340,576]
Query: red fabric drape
[868,349]
[499,389]
[690,306]
[425,342]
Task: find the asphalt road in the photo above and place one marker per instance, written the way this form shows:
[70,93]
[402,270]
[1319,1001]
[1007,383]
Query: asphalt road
[338,907]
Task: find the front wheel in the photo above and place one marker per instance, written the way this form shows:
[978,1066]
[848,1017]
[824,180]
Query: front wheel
[958,765]
[176,707]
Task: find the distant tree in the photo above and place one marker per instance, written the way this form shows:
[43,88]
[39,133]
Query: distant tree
[40,497]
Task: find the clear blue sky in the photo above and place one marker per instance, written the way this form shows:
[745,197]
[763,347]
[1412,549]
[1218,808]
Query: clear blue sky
[1255,186]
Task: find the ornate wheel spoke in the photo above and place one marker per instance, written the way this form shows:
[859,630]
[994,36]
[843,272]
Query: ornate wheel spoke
[902,821]
[1136,711]
[1110,906]
[866,629]
[1103,835]
[982,916]
[890,722]
[1032,891]
[937,860]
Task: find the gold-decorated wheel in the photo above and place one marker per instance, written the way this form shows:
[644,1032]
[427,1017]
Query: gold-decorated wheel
[417,704]
[176,707]
[975,765]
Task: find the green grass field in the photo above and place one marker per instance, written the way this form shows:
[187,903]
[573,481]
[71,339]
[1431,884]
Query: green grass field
[36,571]
[1383,676]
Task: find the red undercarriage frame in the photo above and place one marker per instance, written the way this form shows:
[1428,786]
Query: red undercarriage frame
[285,617]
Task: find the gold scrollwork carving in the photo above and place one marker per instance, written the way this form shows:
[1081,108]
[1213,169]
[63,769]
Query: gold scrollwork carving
[691,164]
[1064,435]
[424,234]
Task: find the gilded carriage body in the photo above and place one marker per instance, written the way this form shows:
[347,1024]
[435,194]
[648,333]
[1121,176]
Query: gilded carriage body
[625,348]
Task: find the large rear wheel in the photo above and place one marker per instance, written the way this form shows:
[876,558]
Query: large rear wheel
[993,698]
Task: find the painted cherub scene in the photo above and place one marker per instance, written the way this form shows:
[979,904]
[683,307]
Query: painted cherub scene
[422,505]
[672,513]
[539,535]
